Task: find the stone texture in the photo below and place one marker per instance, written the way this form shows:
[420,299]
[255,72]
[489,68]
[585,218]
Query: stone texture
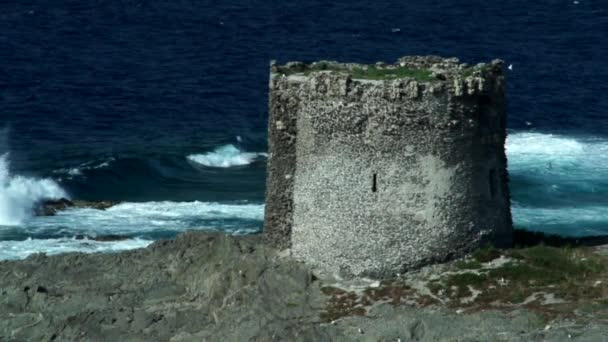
[375,177]
[211,287]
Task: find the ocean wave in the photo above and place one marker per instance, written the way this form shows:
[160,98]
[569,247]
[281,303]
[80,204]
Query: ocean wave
[91,165]
[226,156]
[13,250]
[19,194]
[557,155]
[140,223]
[152,219]
[573,221]
[558,183]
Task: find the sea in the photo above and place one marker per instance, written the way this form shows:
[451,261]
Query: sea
[163,106]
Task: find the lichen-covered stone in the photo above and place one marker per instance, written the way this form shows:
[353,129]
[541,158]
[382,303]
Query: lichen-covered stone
[371,177]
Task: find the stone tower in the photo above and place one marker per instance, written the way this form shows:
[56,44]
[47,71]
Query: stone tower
[376,169]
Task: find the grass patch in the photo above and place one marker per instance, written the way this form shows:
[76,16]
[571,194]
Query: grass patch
[532,277]
[486,254]
[341,304]
[458,284]
[572,274]
[544,265]
[393,292]
[468,264]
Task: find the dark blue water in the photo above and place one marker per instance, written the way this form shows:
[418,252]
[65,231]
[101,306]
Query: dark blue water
[109,98]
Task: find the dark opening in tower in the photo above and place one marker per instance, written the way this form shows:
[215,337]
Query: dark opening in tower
[374,183]
[492,180]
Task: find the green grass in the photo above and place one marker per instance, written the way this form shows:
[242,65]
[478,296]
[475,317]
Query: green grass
[462,281]
[569,273]
[576,275]
[546,265]
[468,264]
[486,254]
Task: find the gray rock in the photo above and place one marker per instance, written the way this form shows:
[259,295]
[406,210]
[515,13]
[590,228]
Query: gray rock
[51,207]
[213,287]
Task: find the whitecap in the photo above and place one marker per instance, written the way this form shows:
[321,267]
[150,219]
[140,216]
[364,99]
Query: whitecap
[557,155]
[226,156]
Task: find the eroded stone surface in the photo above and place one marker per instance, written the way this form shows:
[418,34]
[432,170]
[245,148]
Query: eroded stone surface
[371,177]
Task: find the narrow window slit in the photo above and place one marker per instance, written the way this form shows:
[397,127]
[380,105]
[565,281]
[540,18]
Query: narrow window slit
[492,180]
[374,184]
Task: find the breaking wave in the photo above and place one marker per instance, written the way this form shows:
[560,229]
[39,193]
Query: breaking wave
[138,223]
[226,156]
[19,194]
[559,183]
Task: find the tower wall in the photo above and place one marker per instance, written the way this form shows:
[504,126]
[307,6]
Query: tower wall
[376,176]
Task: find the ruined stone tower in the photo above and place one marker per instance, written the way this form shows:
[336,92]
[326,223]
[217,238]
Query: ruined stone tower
[376,169]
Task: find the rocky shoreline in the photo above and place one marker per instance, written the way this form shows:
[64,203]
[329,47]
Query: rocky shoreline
[52,207]
[203,287]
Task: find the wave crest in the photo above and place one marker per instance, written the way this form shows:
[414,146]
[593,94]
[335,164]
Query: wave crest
[226,156]
[91,165]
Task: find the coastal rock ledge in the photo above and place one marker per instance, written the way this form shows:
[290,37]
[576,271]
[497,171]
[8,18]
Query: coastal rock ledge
[51,207]
[207,287]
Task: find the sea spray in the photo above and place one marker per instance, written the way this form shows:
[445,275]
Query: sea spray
[19,195]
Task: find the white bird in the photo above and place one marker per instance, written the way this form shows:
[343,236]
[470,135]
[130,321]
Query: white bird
[510,67]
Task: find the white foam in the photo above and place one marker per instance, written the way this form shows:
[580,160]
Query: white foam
[566,166]
[19,194]
[557,155]
[226,156]
[148,221]
[153,217]
[12,250]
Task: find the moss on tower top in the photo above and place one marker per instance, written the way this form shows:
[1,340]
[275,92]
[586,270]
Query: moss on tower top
[419,68]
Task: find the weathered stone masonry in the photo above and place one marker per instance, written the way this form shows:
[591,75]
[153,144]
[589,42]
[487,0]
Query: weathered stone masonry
[375,175]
